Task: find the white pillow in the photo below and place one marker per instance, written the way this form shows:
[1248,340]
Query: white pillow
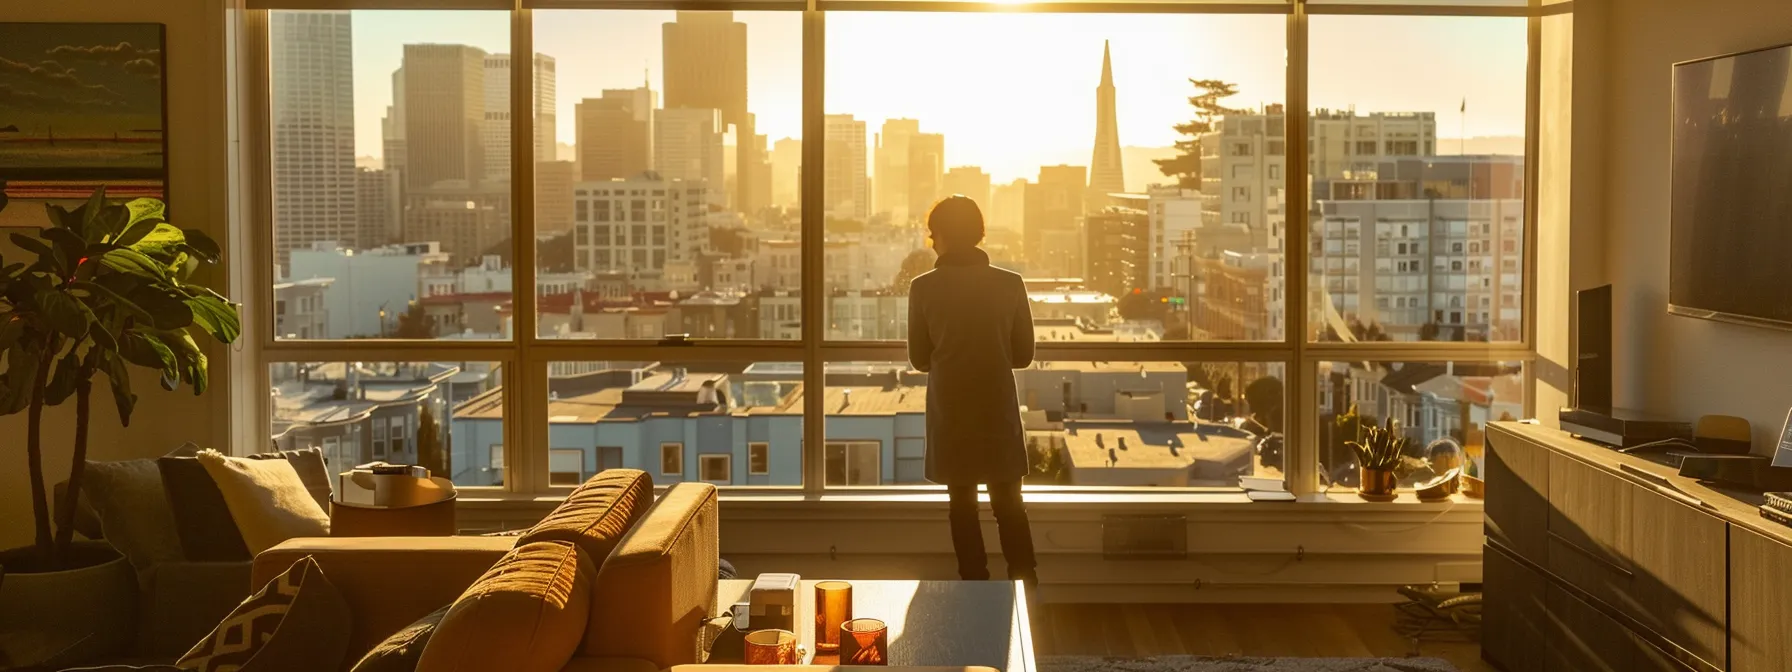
[266,499]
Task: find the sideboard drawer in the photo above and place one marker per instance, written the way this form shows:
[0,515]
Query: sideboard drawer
[1589,537]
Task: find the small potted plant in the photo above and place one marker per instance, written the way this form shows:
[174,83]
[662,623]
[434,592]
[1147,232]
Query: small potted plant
[1380,453]
[104,287]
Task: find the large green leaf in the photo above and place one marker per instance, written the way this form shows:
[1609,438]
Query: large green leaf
[122,396]
[91,212]
[20,375]
[104,295]
[64,313]
[167,310]
[146,209]
[126,260]
[203,246]
[67,244]
[40,249]
[102,336]
[11,330]
[191,360]
[62,380]
[146,350]
[161,240]
[216,317]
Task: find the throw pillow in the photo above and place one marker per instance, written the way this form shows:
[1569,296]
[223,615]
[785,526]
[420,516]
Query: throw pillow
[132,507]
[266,499]
[401,651]
[309,462]
[207,533]
[298,621]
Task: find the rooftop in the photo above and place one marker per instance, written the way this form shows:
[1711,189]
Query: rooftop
[1213,451]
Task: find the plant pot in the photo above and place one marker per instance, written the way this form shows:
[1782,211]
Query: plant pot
[1377,485]
[66,617]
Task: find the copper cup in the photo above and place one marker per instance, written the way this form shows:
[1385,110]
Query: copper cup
[771,647]
[833,607]
[864,641]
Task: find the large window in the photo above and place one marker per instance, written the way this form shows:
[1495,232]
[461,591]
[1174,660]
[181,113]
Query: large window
[523,248]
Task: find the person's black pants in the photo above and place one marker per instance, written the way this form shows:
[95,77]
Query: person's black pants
[1011,520]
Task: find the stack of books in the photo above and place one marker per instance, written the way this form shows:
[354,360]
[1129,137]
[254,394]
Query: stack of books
[1778,508]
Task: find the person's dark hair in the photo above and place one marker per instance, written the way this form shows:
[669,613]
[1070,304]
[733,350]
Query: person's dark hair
[957,221]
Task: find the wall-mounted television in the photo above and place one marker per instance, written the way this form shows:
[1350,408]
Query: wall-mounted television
[1731,253]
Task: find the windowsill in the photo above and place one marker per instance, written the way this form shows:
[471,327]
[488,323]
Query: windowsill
[1341,500]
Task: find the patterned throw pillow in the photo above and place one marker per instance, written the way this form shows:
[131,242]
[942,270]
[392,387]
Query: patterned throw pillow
[305,609]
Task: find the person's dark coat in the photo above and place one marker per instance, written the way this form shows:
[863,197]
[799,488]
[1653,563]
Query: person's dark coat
[969,327]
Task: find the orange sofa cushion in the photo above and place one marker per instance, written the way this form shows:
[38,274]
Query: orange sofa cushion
[597,514]
[526,614]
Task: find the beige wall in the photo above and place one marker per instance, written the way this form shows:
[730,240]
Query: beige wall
[198,146]
[1670,364]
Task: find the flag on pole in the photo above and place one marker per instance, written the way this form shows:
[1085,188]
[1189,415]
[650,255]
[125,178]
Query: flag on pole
[1464,105]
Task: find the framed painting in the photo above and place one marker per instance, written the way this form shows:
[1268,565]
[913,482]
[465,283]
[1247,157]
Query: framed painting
[81,105]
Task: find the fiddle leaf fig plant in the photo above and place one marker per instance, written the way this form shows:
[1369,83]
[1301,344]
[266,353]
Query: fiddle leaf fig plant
[104,287]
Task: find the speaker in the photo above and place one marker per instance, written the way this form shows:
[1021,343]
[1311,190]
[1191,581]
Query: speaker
[1593,349]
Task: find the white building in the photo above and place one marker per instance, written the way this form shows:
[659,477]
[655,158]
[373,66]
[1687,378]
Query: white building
[367,282]
[640,224]
[687,145]
[1173,215]
[312,162]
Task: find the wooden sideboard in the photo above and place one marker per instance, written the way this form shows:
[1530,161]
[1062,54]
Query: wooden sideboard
[1596,560]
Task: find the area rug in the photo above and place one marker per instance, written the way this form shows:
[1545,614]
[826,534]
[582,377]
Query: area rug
[1240,664]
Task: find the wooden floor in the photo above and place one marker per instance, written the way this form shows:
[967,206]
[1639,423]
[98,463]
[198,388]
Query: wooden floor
[1305,630]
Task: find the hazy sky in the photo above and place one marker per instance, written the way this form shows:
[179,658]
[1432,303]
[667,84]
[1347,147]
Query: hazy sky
[1011,92]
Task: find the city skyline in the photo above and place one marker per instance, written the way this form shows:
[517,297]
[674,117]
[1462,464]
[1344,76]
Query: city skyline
[1053,61]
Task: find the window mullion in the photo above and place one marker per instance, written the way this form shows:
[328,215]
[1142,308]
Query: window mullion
[1300,467]
[813,249]
[526,440]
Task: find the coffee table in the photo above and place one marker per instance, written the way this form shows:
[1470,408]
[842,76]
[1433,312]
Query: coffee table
[932,623]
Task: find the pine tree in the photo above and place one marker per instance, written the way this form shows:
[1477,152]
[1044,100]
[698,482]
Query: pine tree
[1186,165]
[429,444]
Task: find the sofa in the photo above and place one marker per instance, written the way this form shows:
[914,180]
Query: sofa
[611,580]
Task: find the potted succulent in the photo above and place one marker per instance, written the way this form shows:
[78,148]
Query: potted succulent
[106,286]
[1380,452]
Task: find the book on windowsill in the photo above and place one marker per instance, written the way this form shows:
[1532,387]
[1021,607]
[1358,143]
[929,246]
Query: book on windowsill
[1261,484]
[1776,515]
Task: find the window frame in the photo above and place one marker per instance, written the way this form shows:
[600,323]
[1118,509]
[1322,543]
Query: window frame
[705,459]
[523,450]
[677,454]
[765,450]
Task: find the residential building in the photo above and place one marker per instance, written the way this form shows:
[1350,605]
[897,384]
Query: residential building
[1117,247]
[358,412]
[299,308]
[444,115]
[846,190]
[638,225]
[1174,215]
[312,139]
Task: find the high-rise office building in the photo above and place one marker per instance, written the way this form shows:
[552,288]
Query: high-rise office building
[846,192]
[891,171]
[786,169]
[553,196]
[705,57]
[313,137]
[1008,205]
[376,208]
[687,145]
[1106,175]
[973,183]
[1117,247]
[444,95]
[615,134]
[1054,213]
[392,129]
[496,134]
[926,172]
[467,220]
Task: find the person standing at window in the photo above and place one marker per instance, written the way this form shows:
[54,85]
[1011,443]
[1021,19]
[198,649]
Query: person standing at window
[969,327]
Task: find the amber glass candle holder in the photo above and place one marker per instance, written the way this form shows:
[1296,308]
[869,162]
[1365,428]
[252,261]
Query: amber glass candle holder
[771,647]
[864,641]
[833,607]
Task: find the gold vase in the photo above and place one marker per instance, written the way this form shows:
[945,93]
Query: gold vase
[1377,485]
